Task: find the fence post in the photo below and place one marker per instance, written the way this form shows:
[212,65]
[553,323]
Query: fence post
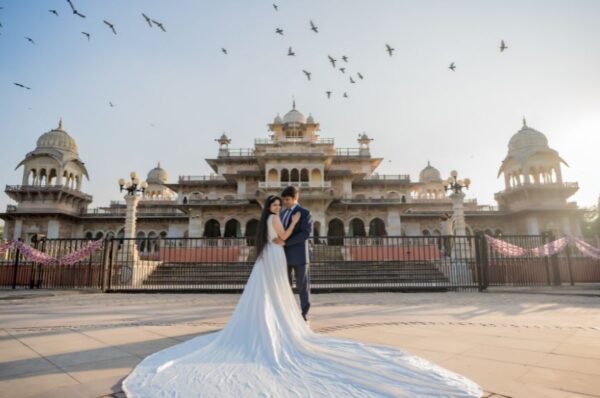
[569,265]
[556,281]
[478,260]
[545,240]
[105,264]
[15,273]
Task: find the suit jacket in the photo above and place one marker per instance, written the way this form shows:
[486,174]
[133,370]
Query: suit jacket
[296,246]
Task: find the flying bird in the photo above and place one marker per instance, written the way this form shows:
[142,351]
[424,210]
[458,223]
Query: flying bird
[345,95]
[307,73]
[328,94]
[159,25]
[54,12]
[148,20]
[275,6]
[343,70]
[279,31]
[352,80]
[502,46]
[389,49]
[29,39]
[224,51]
[111,104]
[452,67]
[22,86]
[332,60]
[74,10]
[86,34]
[360,76]
[345,58]
[313,27]
[290,52]
[111,26]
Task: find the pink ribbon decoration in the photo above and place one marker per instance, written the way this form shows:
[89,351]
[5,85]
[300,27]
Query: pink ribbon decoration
[586,249]
[505,248]
[551,248]
[33,254]
[82,253]
[5,246]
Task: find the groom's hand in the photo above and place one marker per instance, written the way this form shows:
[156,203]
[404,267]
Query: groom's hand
[279,241]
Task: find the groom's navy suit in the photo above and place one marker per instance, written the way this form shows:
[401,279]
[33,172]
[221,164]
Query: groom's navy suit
[296,253]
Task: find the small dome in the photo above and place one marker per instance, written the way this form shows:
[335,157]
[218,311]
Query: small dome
[57,139]
[527,140]
[294,116]
[310,119]
[277,120]
[157,175]
[429,174]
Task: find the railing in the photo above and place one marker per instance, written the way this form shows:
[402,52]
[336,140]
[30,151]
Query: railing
[11,208]
[47,188]
[202,178]
[388,177]
[236,152]
[319,141]
[120,212]
[337,263]
[301,184]
[351,152]
[550,185]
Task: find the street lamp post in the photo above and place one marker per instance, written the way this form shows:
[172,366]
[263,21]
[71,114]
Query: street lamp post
[456,186]
[132,187]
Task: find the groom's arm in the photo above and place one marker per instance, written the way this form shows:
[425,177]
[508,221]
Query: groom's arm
[304,233]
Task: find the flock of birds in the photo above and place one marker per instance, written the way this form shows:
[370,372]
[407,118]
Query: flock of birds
[352,78]
[151,22]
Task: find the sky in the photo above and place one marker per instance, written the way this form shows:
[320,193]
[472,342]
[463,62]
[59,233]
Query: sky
[174,92]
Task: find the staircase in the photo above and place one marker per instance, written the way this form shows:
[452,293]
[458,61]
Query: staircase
[331,273]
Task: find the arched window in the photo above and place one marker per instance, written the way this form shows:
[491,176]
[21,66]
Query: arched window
[357,228]
[251,229]
[335,232]
[315,175]
[304,175]
[285,175]
[377,227]
[212,229]
[272,175]
[294,175]
[233,229]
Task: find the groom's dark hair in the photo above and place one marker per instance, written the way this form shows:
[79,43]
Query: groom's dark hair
[289,192]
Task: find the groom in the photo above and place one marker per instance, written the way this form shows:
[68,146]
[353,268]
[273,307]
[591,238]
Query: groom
[296,246]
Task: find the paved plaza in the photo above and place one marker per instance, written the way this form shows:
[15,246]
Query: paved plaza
[513,342]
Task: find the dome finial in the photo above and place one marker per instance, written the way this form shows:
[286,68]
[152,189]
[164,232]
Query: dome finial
[428,163]
[524,122]
[158,166]
[293,102]
[60,124]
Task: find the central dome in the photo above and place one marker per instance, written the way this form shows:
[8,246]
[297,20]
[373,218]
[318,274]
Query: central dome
[157,175]
[429,174]
[57,139]
[527,140]
[294,116]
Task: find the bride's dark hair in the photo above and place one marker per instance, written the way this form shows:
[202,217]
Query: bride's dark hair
[263,231]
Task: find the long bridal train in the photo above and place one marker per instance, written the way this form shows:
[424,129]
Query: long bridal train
[267,350]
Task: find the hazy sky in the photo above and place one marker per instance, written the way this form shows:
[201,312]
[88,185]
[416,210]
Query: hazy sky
[175,92]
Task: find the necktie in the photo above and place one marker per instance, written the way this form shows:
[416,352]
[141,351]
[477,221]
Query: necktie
[283,214]
[286,221]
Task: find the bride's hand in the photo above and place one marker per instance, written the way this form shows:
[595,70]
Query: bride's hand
[296,217]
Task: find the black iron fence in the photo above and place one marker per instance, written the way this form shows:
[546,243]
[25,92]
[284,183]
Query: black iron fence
[395,263]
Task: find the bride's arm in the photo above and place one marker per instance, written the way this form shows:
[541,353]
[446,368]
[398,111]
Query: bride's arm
[282,233]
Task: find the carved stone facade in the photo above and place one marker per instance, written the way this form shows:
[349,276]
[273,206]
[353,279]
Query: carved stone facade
[339,185]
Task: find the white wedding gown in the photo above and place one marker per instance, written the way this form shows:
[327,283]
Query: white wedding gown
[267,350]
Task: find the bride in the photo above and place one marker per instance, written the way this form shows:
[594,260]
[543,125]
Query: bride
[267,350]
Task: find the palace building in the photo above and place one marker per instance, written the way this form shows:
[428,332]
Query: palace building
[340,186]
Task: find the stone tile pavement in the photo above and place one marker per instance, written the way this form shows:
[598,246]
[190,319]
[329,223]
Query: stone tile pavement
[513,343]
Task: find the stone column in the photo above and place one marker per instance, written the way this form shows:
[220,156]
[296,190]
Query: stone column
[458,215]
[130,222]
